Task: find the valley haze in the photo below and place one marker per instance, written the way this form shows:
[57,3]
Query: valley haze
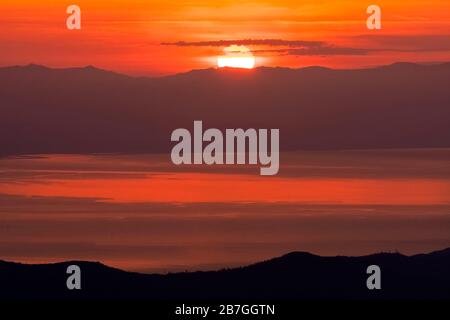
[87,110]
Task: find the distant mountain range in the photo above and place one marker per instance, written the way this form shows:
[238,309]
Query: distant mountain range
[297,275]
[80,110]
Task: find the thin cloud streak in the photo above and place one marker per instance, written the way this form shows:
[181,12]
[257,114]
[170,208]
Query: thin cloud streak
[373,44]
[263,42]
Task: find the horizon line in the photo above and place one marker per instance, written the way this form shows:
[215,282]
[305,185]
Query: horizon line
[231,267]
[215,68]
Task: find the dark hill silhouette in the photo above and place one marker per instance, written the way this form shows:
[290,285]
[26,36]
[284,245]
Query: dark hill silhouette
[294,276]
[80,110]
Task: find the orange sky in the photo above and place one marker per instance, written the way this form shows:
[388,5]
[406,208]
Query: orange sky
[126,36]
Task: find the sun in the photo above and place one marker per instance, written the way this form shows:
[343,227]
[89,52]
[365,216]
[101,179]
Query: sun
[236,57]
[236,62]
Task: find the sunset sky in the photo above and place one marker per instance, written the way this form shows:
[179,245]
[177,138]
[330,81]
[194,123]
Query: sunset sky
[62,199]
[160,37]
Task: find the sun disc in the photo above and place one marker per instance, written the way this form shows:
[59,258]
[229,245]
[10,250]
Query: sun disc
[236,62]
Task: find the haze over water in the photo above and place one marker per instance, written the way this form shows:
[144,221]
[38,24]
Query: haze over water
[140,212]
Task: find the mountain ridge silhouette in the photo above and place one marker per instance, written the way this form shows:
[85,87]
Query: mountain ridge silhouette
[394,65]
[297,275]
